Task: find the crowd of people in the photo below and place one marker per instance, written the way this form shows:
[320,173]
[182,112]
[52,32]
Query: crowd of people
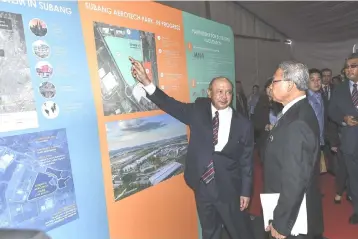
[300,114]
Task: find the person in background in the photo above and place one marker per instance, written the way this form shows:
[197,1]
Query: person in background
[219,163]
[241,100]
[336,80]
[330,127]
[340,171]
[343,109]
[291,161]
[253,99]
[343,74]
[265,116]
[335,162]
[315,99]
[326,87]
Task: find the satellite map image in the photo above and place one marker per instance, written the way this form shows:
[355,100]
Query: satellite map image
[17,102]
[36,184]
[120,91]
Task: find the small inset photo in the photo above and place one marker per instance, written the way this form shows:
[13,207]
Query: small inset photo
[38,27]
[47,90]
[44,69]
[50,109]
[41,49]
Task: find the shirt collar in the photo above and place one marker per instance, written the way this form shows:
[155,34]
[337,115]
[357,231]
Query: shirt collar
[313,93]
[289,105]
[223,111]
[310,92]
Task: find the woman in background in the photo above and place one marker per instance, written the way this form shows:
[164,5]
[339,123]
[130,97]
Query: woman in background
[252,100]
[265,116]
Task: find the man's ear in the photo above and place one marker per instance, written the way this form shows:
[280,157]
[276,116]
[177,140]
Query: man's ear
[209,93]
[290,86]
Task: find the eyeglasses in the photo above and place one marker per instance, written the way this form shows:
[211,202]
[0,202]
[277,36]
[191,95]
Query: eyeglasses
[350,66]
[274,81]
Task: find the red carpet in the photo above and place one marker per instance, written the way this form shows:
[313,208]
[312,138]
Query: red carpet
[335,216]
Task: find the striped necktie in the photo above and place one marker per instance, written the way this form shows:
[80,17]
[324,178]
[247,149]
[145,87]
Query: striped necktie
[355,95]
[325,92]
[209,173]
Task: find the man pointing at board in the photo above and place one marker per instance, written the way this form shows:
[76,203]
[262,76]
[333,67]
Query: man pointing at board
[219,161]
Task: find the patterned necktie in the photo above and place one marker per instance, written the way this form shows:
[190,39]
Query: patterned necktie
[355,95]
[325,92]
[210,172]
[215,128]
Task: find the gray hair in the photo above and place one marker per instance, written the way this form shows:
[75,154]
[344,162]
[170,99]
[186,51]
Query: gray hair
[296,72]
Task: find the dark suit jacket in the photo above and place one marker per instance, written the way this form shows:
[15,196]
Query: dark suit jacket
[330,127]
[341,105]
[291,168]
[242,109]
[233,165]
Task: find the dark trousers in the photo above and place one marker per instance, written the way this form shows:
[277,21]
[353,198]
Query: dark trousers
[214,214]
[341,173]
[329,157]
[352,168]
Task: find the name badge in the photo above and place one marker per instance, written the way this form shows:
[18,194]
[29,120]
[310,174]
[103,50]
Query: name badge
[271,138]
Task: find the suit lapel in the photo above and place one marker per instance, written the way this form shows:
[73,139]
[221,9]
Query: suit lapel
[234,128]
[287,116]
[208,120]
[347,93]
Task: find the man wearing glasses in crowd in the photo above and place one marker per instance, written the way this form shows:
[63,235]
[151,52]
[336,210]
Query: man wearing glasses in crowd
[343,109]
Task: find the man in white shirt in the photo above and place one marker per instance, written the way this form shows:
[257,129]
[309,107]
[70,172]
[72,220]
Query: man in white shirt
[219,161]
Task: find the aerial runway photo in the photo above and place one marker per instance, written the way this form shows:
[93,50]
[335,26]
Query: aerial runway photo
[120,92]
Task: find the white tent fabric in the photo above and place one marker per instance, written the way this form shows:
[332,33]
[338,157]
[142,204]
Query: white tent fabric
[323,55]
[309,21]
[323,33]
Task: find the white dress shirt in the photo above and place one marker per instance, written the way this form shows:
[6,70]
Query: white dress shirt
[289,105]
[225,117]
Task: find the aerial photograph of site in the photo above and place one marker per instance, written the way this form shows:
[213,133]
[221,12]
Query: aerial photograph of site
[144,152]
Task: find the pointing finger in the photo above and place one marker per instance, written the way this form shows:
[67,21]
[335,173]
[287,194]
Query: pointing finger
[134,62]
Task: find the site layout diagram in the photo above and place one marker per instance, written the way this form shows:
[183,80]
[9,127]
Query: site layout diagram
[36,184]
[121,94]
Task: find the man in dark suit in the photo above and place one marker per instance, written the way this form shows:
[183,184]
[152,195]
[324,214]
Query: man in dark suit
[330,127]
[343,109]
[241,100]
[336,164]
[219,164]
[291,160]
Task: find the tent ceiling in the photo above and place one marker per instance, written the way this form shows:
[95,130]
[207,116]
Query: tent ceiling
[309,21]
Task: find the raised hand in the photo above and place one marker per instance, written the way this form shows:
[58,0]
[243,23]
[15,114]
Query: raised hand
[138,72]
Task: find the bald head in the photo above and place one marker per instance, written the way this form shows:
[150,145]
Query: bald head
[220,78]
